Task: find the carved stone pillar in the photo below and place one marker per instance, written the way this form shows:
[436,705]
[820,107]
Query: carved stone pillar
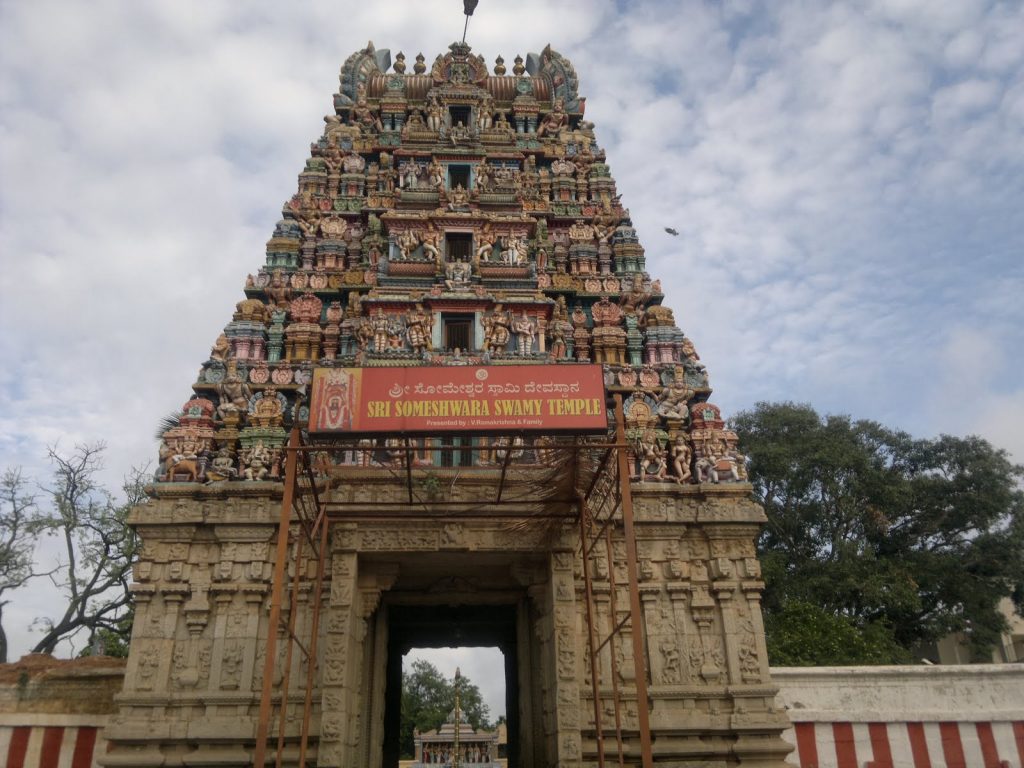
[566,693]
[339,674]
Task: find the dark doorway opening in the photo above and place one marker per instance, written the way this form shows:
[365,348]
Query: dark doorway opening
[458,176]
[459,114]
[458,245]
[441,626]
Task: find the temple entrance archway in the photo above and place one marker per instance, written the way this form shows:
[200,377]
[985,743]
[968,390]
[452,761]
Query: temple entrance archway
[468,627]
[460,599]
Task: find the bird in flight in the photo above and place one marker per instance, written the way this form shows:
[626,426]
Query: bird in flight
[671,231]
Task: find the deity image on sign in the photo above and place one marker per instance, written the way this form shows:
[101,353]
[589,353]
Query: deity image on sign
[334,398]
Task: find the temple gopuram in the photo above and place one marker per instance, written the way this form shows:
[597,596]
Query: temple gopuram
[451,409]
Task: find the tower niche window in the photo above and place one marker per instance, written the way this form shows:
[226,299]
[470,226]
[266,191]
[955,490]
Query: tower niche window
[458,332]
[458,175]
[458,246]
[459,114]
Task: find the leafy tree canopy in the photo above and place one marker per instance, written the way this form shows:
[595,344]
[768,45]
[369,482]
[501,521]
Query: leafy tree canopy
[877,541]
[428,697]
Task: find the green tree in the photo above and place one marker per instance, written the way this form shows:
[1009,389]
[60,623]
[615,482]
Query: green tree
[877,541]
[428,697]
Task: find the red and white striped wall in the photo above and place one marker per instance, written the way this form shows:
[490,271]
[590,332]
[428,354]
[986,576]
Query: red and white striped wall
[50,741]
[911,744]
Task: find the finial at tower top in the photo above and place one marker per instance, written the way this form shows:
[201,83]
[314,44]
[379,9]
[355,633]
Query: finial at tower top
[468,6]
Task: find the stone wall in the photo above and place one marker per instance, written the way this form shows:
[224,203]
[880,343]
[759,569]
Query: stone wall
[53,711]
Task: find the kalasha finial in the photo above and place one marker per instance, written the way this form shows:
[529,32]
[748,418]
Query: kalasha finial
[420,66]
[518,68]
[399,65]
[499,66]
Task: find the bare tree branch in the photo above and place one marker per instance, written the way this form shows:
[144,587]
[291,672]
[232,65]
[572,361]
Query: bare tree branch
[20,524]
[98,547]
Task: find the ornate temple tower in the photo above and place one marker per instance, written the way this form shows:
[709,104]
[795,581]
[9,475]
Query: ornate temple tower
[450,221]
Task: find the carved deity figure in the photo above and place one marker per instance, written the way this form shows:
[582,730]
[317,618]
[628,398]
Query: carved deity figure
[674,397]
[485,112]
[257,461]
[554,121]
[671,670]
[681,457]
[458,133]
[651,454]
[411,175]
[220,349]
[525,330]
[483,175]
[486,246]
[557,343]
[363,115]
[635,299]
[233,393]
[435,174]
[457,275]
[278,289]
[513,251]
[407,242]
[435,114]
[458,198]
[431,242]
[496,330]
[379,327]
[309,223]
[715,460]
[415,121]
[417,330]
[222,467]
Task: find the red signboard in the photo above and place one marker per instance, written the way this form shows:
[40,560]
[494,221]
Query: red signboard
[494,398]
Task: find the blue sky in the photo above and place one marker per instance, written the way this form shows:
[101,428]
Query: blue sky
[847,180]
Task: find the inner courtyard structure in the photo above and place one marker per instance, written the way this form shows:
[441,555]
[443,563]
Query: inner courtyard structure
[451,409]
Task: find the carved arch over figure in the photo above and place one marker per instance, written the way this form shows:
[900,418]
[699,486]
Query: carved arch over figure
[357,70]
[560,74]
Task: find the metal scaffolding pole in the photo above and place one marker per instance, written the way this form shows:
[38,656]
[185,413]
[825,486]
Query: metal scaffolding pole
[636,617]
[276,589]
[599,498]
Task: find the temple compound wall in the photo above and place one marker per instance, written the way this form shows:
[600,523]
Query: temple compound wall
[53,712]
[450,219]
[942,716]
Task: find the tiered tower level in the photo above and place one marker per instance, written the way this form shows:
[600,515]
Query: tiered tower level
[448,216]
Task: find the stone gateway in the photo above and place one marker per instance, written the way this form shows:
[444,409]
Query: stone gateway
[451,222]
